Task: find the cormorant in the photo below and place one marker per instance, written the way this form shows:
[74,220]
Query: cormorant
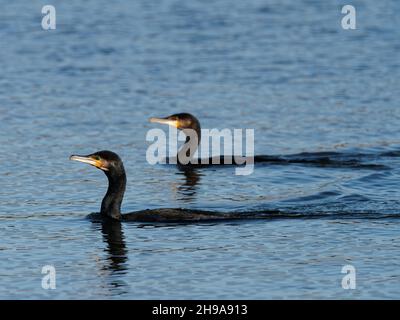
[190,125]
[111,164]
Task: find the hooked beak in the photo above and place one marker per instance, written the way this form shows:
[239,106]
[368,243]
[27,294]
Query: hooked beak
[89,160]
[172,123]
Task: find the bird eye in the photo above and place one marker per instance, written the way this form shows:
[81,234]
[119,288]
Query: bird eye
[96,158]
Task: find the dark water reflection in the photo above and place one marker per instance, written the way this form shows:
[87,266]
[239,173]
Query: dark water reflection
[116,248]
[188,188]
[117,255]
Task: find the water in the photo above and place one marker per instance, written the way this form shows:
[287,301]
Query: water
[284,68]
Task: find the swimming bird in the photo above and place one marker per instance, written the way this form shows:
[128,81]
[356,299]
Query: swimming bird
[190,125]
[111,164]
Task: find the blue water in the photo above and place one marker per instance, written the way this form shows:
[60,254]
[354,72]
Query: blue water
[283,68]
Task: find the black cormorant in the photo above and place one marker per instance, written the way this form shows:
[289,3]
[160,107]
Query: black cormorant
[190,125]
[111,164]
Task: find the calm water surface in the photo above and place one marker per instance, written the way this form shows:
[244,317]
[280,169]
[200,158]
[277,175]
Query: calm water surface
[284,68]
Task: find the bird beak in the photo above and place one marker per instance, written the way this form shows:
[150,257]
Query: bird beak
[89,160]
[172,123]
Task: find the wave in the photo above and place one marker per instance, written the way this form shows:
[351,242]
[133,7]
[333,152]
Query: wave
[333,159]
[329,159]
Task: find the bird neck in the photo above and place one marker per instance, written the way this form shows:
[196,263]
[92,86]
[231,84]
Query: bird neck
[111,204]
[191,144]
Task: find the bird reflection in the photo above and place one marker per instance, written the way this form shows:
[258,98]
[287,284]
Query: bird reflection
[116,248]
[113,266]
[187,190]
